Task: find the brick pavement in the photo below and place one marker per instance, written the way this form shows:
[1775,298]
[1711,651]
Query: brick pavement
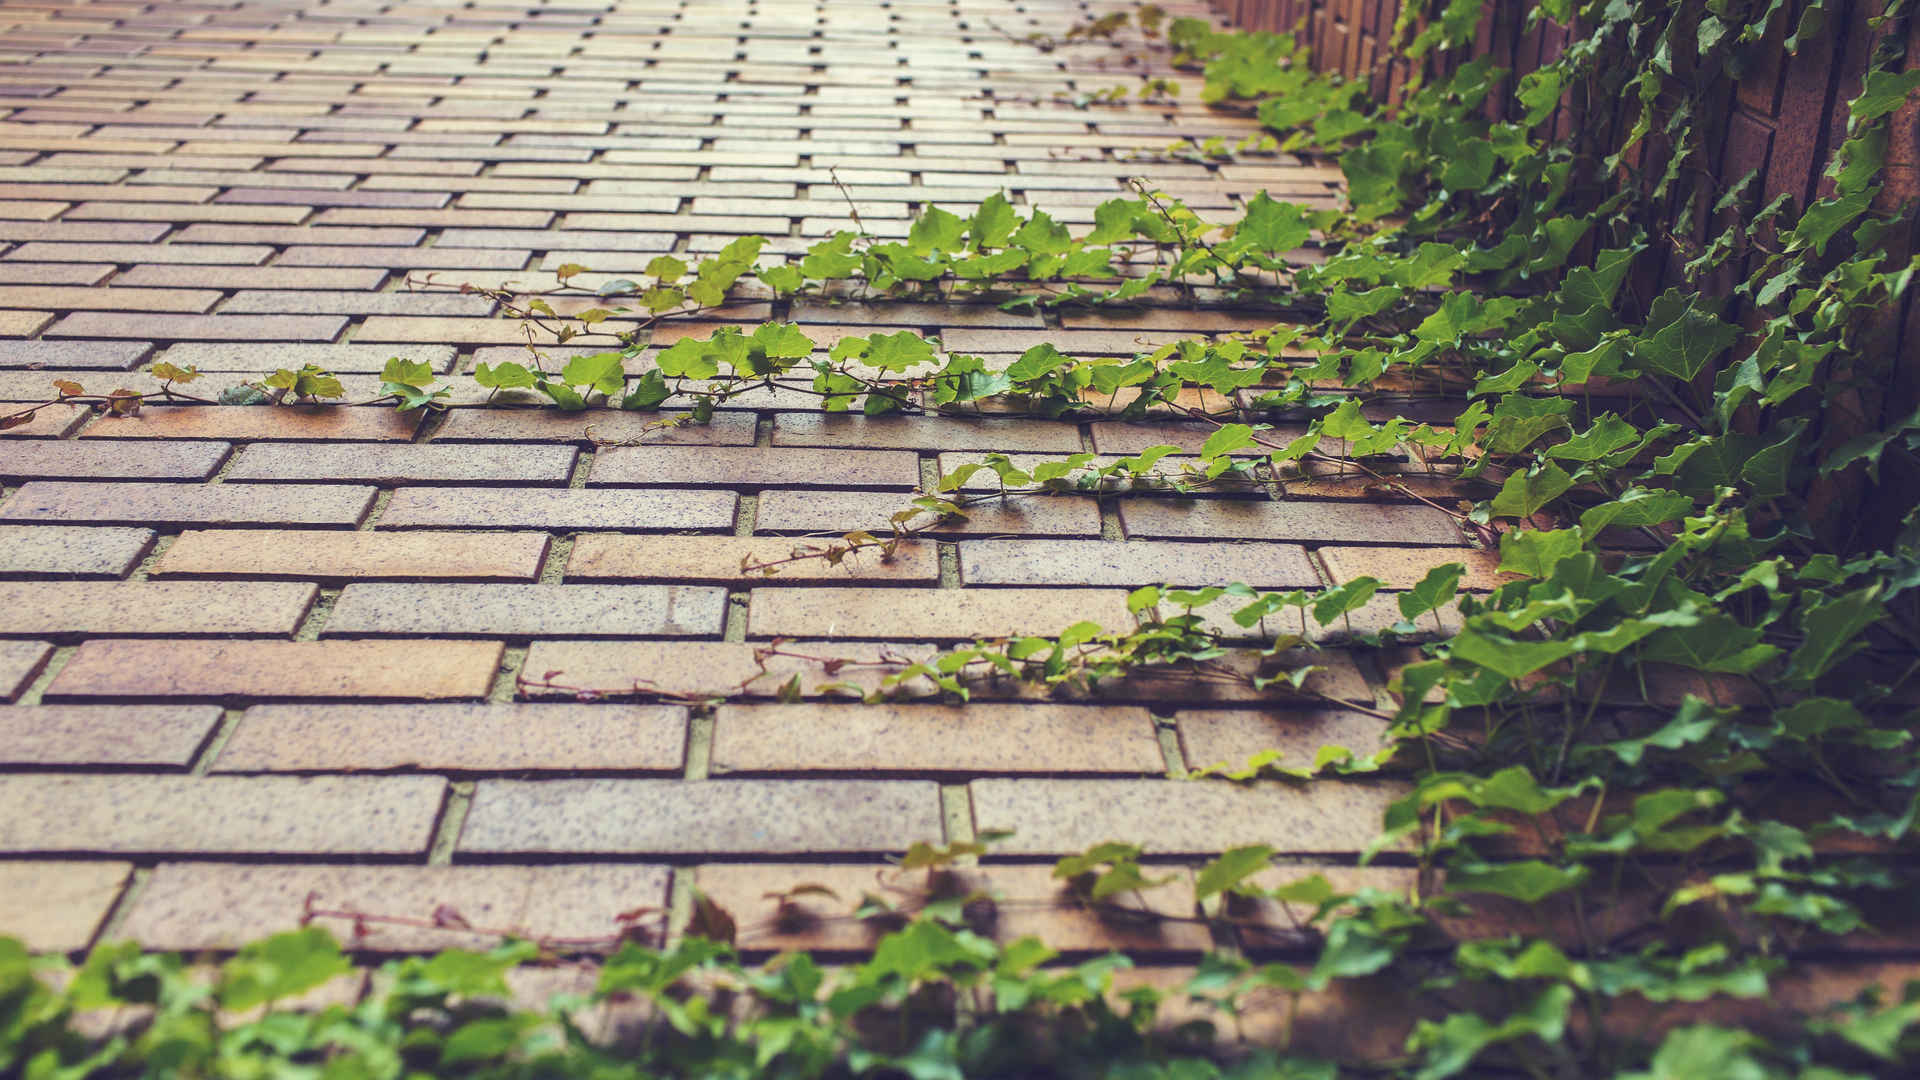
[252,652]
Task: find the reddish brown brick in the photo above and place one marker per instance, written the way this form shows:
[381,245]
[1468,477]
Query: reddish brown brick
[402,670]
[753,466]
[1403,568]
[146,608]
[922,739]
[334,557]
[52,422]
[148,735]
[931,614]
[923,433]
[35,551]
[462,737]
[594,426]
[1214,519]
[56,907]
[204,327]
[721,559]
[96,461]
[404,464]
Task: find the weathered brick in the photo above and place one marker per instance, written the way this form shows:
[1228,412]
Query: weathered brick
[56,907]
[773,817]
[192,301]
[566,509]
[462,737]
[401,670]
[107,324]
[721,559]
[181,504]
[527,610]
[254,277]
[147,735]
[182,254]
[41,353]
[260,301]
[210,356]
[1403,568]
[923,739]
[1134,563]
[1174,817]
[1216,519]
[20,663]
[595,426]
[254,423]
[755,466]
[336,815]
[153,607]
[393,258]
[1232,737]
[923,433]
[930,614]
[70,550]
[191,906]
[66,460]
[51,422]
[334,557]
[842,511]
[1133,436]
[404,464]
[23,323]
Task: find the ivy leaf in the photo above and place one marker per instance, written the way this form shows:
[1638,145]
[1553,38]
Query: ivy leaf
[1535,552]
[406,372]
[936,230]
[564,396]
[1528,491]
[1884,92]
[1635,507]
[1528,880]
[505,375]
[281,966]
[898,352]
[1271,228]
[1830,627]
[1226,440]
[1827,217]
[596,371]
[1439,585]
[1687,339]
[781,279]
[992,223]
[647,393]
[688,358]
[1344,599]
[1714,643]
[666,269]
[1230,869]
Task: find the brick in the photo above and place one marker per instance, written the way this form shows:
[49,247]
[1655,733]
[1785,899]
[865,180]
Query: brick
[923,433]
[356,303]
[773,817]
[786,510]
[175,504]
[753,466]
[256,277]
[163,211]
[109,355]
[70,551]
[101,461]
[50,422]
[151,607]
[264,815]
[55,273]
[1231,737]
[326,197]
[922,739]
[1071,342]
[64,232]
[563,509]
[134,735]
[1131,437]
[1403,568]
[340,359]
[527,610]
[194,301]
[808,312]
[720,559]
[259,423]
[56,907]
[20,663]
[23,323]
[335,558]
[1175,817]
[930,614]
[399,258]
[1214,519]
[193,906]
[183,254]
[400,670]
[205,327]
[595,426]
[404,464]
[1133,563]
[459,737]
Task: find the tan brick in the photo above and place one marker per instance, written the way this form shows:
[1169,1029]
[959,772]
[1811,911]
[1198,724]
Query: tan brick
[404,670]
[153,607]
[56,907]
[20,663]
[843,511]
[930,614]
[774,817]
[212,356]
[182,254]
[755,466]
[460,737]
[1178,817]
[720,559]
[595,426]
[254,423]
[23,323]
[194,301]
[254,277]
[1403,568]
[71,550]
[564,508]
[293,301]
[527,610]
[333,557]
[808,312]
[924,433]
[388,815]
[1071,342]
[149,735]
[435,329]
[1232,737]
[206,327]
[163,211]
[1133,436]
[404,464]
[52,422]
[1217,519]
[1133,563]
[191,906]
[399,258]
[922,739]
[66,460]
[181,504]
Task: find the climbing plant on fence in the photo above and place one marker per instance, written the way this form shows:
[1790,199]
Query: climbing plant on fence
[1681,737]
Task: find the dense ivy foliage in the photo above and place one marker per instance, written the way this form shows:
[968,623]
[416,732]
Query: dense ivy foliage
[1681,738]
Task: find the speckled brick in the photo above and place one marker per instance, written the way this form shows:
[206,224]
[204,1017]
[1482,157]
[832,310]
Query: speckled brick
[930,614]
[570,509]
[921,739]
[104,355]
[594,426]
[787,510]
[259,423]
[638,817]
[928,433]
[1310,522]
[1133,563]
[268,670]
[71,550]
[528,610]
[191,906]
[461,737]
[755,466]
[722,558]
[182,504]
[1233,736]
[108,324]
[146,735]
[67,460]
[52,422]
[20,662]
[335,557]
[1180,817]
[56,907]
[145,608]
[408,464]
[1403,568]
[264,357]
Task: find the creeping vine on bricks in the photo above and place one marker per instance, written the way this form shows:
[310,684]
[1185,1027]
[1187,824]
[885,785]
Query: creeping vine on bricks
[1680,740]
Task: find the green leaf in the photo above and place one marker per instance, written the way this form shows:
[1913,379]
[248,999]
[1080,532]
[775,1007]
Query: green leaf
[992,223]
[647,393]
[783,280]
[1884,92]
[1687,339]
[1830,627]
[1535,552]
[782,341]
[689,358]
[1526,492]
[1528,881]
[936,230]
[596,371]
[1439,585]
[1230,869]
[505,375]
[1226,440]
[281,966]
[898,352]
[666,268]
